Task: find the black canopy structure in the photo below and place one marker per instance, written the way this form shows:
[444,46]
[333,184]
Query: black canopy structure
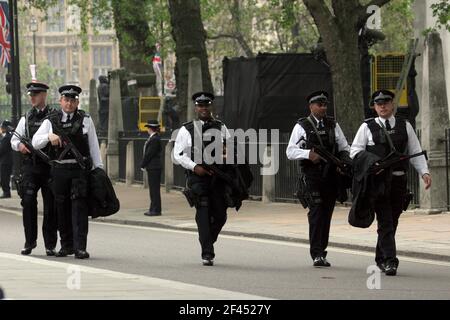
[269,91]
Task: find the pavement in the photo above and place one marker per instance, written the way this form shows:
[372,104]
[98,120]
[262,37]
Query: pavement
[418,235]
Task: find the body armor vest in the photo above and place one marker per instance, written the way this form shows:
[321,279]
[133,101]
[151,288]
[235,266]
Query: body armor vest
[213,124]
[398,135]
[74,130]
[33,120]
[327,136]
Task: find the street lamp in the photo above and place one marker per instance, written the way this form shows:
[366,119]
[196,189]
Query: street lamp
[34,28]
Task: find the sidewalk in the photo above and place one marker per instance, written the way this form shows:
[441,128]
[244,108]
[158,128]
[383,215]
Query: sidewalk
[425,236]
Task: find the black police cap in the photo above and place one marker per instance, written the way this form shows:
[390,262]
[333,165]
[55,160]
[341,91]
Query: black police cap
[318,96]
[36,87]
[6,124]
[382,95]
[70,91]
[203,98]
[152,124]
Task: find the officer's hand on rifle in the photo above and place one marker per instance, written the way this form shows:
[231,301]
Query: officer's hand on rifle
[23,149]
[314,157]
[55,140]
[427,180]
[200,171]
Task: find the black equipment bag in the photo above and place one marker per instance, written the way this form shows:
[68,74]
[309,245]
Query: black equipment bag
[102,198]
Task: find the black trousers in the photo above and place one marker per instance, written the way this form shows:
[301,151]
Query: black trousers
[5,176]
[154,187]
[70,188]
[320,213]
[211,210]
[37,177]
[388,209]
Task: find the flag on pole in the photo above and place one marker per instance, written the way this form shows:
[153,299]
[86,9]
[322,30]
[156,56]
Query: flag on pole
[5,35]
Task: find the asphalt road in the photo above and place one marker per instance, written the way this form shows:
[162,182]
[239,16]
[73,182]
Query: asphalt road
[272,269]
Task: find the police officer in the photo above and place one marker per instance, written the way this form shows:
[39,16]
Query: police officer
[152,163]
[190,144]
[36,173]
[72,133]
[6,160]
[381,136]
[321,179]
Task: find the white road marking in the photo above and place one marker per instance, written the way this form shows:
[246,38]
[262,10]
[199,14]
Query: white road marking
[275,242]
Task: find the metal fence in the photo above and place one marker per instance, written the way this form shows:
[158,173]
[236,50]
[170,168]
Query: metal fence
[285,179]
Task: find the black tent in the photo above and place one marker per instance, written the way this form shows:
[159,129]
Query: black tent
[269,91]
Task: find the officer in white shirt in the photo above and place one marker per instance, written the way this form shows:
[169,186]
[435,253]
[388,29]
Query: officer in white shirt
[381,136]
[72,134]
[320,178]
[211,209]
[36,173]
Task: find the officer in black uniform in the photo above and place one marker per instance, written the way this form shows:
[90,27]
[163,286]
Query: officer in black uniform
[152,163]
[321,178]
[72,133]
[6,160]
[211,209]
[36,173]
[384,135]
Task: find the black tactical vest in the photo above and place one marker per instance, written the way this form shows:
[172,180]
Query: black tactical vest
[398,135]
[33,120]
[327,136]
[213,124]
[74,131]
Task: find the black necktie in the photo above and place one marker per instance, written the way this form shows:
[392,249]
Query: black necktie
[388,125]
[320,125]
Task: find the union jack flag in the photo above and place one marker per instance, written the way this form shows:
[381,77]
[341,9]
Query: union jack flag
[5,38]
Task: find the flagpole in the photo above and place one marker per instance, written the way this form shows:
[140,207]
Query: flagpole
[16,108]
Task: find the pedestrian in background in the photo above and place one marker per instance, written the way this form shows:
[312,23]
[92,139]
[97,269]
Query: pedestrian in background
[6,159]
[152,163]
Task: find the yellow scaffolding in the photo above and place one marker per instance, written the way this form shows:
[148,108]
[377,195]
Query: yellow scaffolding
[386,70]
[148,109]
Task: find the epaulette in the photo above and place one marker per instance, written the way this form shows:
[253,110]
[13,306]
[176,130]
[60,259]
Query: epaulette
[369,120]
[301,119]
[84,113]
[188,125]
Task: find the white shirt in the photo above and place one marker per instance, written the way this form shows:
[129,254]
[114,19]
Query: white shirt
[294,152]
[40,138]
[364,138]
[20,129]
[183,143]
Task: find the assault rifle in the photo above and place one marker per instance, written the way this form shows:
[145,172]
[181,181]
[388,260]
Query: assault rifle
[27,143]
[329,158]
[388,161]
[69,146]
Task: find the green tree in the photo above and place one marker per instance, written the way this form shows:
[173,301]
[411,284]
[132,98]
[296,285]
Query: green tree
[189,35]
[338,23]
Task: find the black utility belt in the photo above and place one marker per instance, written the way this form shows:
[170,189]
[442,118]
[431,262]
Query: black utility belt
[65,165]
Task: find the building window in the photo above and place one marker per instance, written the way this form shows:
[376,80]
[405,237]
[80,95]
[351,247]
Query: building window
[102,58]
[56,58]
[56,18]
